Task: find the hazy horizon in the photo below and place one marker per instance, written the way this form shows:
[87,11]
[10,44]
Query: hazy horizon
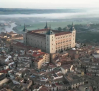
[49,4]
[52,14]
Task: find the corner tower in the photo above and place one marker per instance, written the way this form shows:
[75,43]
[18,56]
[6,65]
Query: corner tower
[50,42]
[73,40]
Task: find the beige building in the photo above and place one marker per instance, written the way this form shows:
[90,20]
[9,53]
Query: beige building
[50,41]
[39,58]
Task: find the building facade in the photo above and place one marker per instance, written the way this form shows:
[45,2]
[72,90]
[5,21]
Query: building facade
[50,41]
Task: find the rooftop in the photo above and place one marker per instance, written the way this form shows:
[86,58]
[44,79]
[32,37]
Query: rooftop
[50,32]
[19,44]
[35,54]
[56,32]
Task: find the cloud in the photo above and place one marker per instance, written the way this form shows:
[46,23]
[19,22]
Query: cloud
[48,3]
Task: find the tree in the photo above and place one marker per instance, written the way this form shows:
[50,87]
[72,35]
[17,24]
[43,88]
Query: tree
[64,29]
[59,28]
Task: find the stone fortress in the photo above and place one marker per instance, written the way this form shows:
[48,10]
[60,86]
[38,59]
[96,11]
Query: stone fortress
[50,41]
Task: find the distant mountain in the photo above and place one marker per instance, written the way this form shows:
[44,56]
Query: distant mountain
[37,11]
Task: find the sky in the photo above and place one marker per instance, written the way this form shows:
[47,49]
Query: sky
[49,4]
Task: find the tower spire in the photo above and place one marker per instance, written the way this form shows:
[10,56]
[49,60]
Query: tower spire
[46,26]
[72,27]
[46,23]
[24,28]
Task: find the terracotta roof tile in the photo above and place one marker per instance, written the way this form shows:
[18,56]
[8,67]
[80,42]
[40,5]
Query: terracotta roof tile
[57,33]
[39,30]
[44,89]
[62,33]
[34,32]
[18,44]
[35,54]
[66,66]
[4,71]
[30,32]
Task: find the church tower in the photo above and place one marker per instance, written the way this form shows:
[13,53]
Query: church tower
[24,30]
[73,31]
[46,27]
[50,42]
[24,35]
